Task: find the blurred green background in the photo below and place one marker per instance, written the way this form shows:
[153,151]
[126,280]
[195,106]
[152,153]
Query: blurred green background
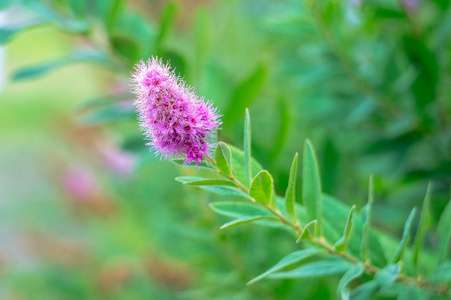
[86,212]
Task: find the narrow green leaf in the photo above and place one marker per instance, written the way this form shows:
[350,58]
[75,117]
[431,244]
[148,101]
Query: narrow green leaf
[316,269]
[202,165]
[243,95]
[203,39]
[126,46]
[290,194]
[387,275]
[223,157]
[226,191]
[366,218]
[405,237]
[288,260]
[341,244]
[39,70]
[281,135]
[108,115]
[185,179]
[215,182]
[167,22]
[442,274]
[365,291]
[91,56]
[353,273]
[246,220]
[425,222]
[239,210]
[47,67]
[311,186]
[46,13]
[444,232]
[8,33]
[412,292]
[247,148]
[238,165]
[117,7]
[262,187]
[308,231]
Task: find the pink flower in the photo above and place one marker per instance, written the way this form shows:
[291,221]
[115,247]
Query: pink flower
[411,4]
[176,121]
[118,161]
[80,183]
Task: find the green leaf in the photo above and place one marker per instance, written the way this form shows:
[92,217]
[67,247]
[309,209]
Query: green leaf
[262,188]
[185,179]
[311,186]
[226,191]
[245,220]
[281,136]
[330,165]
[223,157]
[384,12]
[290,194]
[108,115]
[366,218]
[203,39]
[38,70]
[126,46]
[244,94]
[238,165]
[316,269]
[334,218]
[288,260]
[387,275]
[44,68]
[202,165]
[308,231]
[341,244]
[424,87]
[117,6]
[405,237]
[365,291]
[215,182]
[247,148]
[239,210]
[442,274]
[8,33]
[46,13]
[353,273]
[425,222]
[444,232]
[167,22]
[409,292]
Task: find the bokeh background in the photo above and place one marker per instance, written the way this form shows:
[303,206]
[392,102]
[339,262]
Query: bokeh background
[87,212]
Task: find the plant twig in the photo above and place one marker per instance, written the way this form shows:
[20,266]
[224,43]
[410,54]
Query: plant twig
[322,242]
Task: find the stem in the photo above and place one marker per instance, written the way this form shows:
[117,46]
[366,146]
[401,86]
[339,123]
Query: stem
[322,242]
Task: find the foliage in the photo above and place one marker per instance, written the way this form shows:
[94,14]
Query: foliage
[339,257]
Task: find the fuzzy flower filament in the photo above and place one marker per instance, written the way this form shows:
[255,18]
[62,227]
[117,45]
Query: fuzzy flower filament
[176,121]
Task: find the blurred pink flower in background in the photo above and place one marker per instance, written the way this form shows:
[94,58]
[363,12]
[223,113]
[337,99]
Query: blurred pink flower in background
[411,4]
[80,183]
[120,162]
